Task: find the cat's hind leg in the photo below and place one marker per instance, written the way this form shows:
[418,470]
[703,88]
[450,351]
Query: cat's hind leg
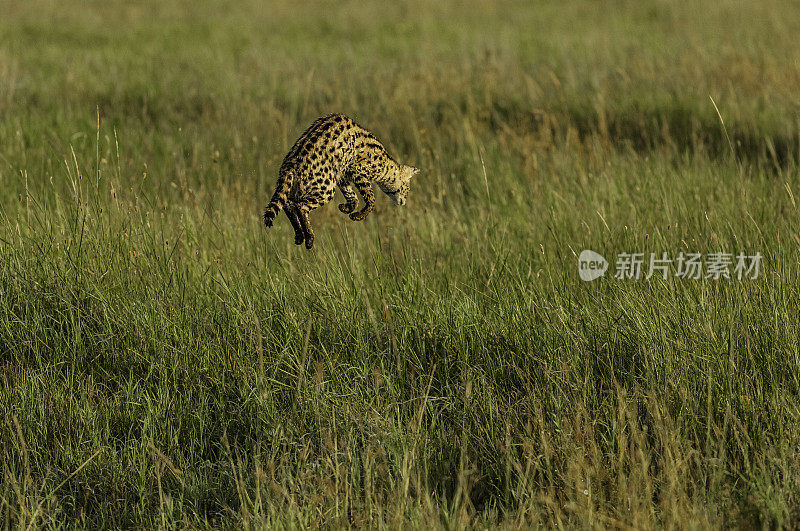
[291,212]
[302,215]
[306,205]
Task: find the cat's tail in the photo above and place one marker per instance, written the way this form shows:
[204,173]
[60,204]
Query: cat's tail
[285,180]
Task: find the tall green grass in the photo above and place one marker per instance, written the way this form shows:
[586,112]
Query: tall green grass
[166,361]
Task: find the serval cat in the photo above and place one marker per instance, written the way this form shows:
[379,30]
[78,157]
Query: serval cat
[335,152]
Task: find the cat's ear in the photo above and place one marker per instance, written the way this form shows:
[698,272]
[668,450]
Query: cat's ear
[414,170]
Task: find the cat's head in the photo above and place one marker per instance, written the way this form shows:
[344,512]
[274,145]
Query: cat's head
[398,189]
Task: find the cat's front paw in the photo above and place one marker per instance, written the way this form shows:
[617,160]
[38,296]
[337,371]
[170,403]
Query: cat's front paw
[358,216]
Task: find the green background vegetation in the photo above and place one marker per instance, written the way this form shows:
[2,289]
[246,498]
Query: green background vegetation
[166,361]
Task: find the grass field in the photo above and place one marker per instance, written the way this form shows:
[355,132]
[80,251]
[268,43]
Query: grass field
[165,361]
